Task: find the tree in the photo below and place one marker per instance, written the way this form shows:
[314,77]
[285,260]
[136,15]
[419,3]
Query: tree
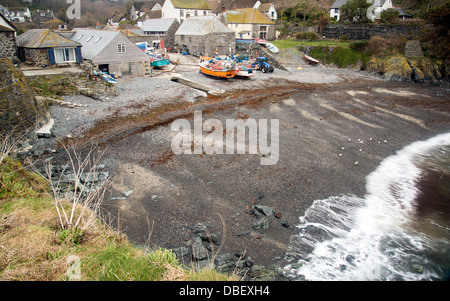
[389,15]
[355,11]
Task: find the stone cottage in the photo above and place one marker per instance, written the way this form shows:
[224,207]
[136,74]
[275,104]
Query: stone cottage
[205,35]
[45,47]
[8,46]
[112,52]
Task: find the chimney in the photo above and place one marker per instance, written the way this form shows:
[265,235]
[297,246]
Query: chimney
[223,7]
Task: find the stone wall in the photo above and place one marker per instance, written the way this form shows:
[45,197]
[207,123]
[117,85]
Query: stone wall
[366,31]
[207,44]
[19,109]
[35,56]
[8,48]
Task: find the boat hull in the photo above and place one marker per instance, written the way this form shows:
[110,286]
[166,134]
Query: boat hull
[160,63]
[244,73]
[218,73]
[310,59]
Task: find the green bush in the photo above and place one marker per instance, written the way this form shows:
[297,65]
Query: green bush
[359,46]
[306,36]
[342,57]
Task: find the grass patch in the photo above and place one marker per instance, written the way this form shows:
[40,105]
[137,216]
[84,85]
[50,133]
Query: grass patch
[34,247]
[341,56]
[54,86]
[283,44]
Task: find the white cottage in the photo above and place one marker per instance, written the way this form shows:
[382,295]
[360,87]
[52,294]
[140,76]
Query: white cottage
[183,9]
[373,12]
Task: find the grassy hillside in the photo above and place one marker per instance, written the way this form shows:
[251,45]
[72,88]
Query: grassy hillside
[33,246]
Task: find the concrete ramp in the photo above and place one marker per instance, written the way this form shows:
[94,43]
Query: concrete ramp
[207,89]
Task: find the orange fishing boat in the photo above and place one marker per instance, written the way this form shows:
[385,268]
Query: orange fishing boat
[217,67]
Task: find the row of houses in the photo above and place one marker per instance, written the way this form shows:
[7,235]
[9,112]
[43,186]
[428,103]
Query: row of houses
[23,14]
[113,50]
[183,9]
[373,12]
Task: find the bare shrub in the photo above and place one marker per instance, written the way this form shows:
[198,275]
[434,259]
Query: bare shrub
[378,45]
[77,206]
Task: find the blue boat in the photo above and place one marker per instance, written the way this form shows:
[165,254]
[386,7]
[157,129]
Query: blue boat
[159,59]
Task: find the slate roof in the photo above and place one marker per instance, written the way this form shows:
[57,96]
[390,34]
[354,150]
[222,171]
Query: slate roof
[93,41]
[338,3]
[202,25]
[6,25]
[193,4]
[216,5]
[162,24]
[246,16]
[44,38]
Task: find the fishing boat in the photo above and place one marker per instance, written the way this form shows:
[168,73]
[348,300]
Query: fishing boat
[106,77]
[244,70]
[109,79]
[220,68]
[310,59]
[159,59]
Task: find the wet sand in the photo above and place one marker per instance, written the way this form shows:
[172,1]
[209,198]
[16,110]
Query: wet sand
[336,126]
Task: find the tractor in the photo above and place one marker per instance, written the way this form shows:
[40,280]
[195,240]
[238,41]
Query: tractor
[262,64]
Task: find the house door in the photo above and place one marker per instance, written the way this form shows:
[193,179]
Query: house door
[104,68]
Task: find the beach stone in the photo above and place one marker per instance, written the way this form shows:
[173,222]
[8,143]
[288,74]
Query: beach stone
[266,210]
[261,224]
[198,250]
[204,231]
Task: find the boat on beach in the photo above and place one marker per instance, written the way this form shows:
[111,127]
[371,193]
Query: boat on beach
[243,70]
[310,59]
[106,77]
[220,68]
[159,59]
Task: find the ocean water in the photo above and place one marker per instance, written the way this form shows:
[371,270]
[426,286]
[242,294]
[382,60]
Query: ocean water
[400,230]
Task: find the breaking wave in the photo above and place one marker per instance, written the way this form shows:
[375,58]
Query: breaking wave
[400,230]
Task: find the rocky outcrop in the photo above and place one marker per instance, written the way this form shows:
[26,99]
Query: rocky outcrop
[401,68]
[20,111]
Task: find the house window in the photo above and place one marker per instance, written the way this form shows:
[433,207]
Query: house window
[263,32]
[196,13]
[121,48]
[181,12]
[182,38]
[273,14]
[90,38]
[65,55]
[204,13]
[98,39]
[336,10]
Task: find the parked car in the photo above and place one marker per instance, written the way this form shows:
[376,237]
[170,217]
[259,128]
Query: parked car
[272,47]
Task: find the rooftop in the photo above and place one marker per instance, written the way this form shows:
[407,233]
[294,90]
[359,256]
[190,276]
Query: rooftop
[193,4]
[202,26]
[93,41]
[44,38]
[246,16]
[162,24]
